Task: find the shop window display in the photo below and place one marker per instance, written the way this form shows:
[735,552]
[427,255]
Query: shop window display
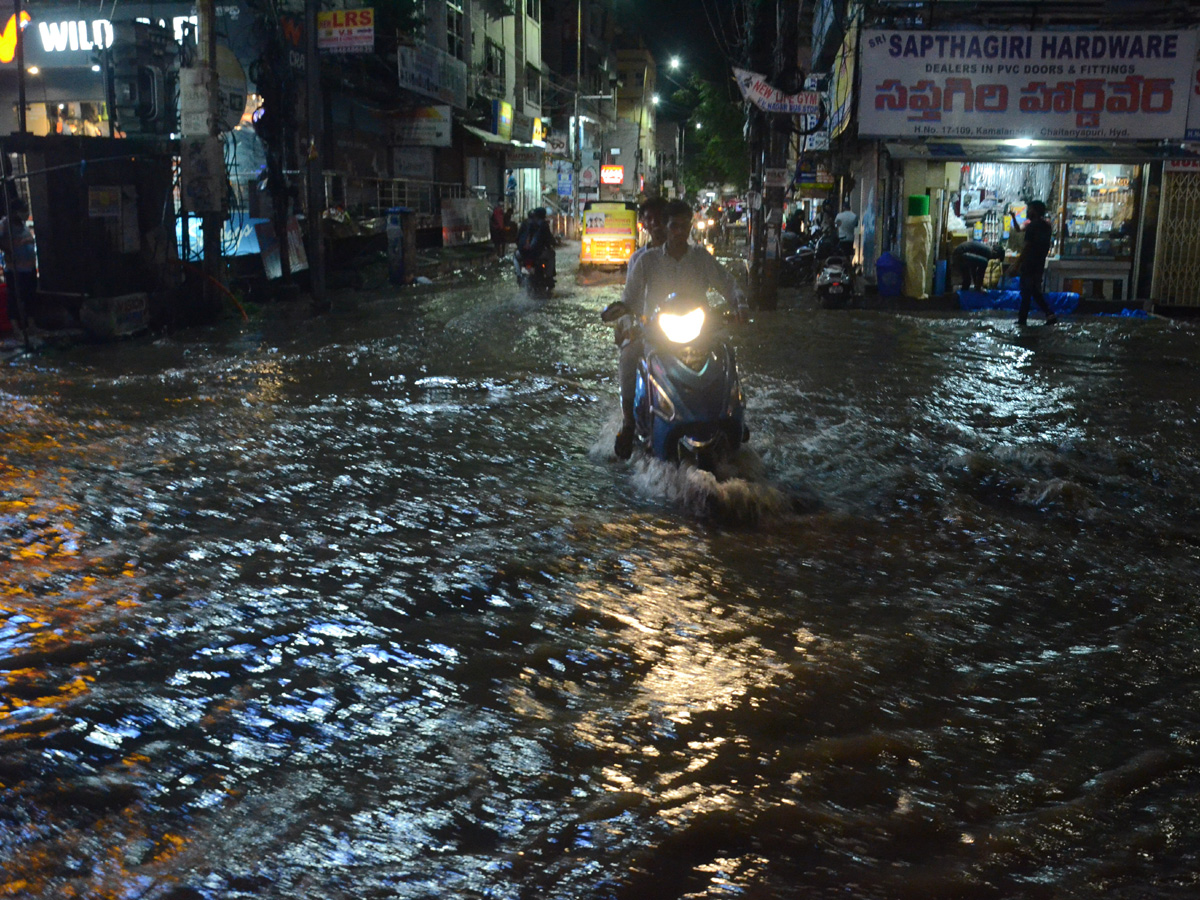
[1099,211]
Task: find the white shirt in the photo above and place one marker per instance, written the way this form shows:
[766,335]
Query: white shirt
[654,274]
[634,257]
[845,222]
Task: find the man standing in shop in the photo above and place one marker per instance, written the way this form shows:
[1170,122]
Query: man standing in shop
[1031,264]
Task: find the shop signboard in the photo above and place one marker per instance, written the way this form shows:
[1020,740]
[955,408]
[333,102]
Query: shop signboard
[346,31]
[775,178]
[1041,85]
[523,157]
[612,174]
[565,179]
[432,73]
[1193,119]
[522,128]
[843,84]
[425,126]
[413,163]
[66,36]
[502,119]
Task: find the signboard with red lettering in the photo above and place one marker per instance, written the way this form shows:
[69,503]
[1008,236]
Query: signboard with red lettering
[346,31]
[1043,85]
[612,174]
[1183,165]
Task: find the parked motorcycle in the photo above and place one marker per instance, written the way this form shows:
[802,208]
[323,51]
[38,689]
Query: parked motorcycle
[805,256]
[798,266]
[688,403]
[534,275]
[835,283]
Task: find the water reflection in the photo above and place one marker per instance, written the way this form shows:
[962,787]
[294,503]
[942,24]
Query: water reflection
[369,608]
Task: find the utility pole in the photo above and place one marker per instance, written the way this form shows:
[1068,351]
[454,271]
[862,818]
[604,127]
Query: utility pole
[211,222]
[315,199]
[756,121]
[22,124]
[578,154]
[768,138]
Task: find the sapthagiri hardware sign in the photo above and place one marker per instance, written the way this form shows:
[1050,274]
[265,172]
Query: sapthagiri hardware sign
[1098,85]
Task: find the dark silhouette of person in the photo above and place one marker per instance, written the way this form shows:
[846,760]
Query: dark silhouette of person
[969,260]
[1031,264]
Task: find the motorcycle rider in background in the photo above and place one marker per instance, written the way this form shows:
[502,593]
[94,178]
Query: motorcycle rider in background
[675,267]
[535,240]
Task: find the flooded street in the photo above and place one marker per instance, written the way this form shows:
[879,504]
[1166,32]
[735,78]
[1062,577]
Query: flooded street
[362,606]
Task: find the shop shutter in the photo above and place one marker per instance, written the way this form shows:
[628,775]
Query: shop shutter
[1177,258]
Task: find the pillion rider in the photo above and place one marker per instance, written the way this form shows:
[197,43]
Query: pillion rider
[676,267]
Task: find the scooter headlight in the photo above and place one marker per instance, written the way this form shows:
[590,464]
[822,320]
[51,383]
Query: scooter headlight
[682,329]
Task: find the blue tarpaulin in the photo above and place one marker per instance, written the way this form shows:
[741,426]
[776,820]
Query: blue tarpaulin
[1063,303]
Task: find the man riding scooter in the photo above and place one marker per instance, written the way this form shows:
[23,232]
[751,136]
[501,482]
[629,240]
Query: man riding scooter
[675,267]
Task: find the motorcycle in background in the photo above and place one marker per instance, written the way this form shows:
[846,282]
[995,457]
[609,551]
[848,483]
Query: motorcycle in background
[835,284]
[534,275]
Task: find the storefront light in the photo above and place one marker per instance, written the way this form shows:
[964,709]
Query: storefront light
[33,70]
[1023,143]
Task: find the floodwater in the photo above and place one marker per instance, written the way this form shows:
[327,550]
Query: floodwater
[361,606]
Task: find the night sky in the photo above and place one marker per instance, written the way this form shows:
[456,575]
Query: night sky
[680,27]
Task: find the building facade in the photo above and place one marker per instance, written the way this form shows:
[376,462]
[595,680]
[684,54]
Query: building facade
[980,110]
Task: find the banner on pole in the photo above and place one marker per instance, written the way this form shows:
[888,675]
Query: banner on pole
[754,88]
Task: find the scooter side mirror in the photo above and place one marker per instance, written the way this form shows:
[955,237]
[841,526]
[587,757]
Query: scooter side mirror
[614,311]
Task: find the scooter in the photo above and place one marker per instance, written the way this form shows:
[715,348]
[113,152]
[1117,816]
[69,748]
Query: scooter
[835,283]
[688,403]
[533,275]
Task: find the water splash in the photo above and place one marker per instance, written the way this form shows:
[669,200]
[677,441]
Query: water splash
[739,493]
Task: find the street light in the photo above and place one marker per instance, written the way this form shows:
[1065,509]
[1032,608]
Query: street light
[675,62]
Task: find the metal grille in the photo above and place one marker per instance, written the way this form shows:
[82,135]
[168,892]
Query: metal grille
[1177,260]
[374,196]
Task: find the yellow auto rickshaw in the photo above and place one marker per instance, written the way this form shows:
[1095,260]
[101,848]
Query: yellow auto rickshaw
[610,233]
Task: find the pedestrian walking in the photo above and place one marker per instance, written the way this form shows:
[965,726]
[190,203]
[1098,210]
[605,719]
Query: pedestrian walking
[1031,264]
[499,233]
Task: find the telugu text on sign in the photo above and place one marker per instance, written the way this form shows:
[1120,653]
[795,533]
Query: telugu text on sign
[1109,85]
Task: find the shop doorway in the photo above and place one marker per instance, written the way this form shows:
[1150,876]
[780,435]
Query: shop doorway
[1177,261]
